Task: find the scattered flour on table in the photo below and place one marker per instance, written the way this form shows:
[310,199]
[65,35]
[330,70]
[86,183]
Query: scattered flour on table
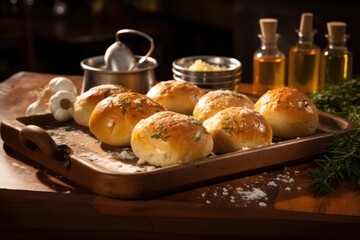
[126,153]
[110,161]
[122,160]
[251,192]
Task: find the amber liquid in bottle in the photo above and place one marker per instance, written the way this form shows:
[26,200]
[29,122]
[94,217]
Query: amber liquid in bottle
[268,73]
[268,69]
[336,59]
[336,65]
[304,64]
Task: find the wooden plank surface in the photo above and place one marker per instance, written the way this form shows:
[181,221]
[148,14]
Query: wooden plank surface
[35,203]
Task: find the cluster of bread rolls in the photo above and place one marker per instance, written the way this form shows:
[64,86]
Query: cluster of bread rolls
[177,122]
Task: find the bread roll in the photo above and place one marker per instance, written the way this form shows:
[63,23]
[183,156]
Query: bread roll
[168,138]
[217,100]
[176,96]
[289,111]
[86,102]
[114,117]
[238,128]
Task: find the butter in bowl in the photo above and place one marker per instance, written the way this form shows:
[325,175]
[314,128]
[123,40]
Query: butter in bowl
[209,72]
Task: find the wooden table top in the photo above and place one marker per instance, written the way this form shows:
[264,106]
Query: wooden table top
[35,202]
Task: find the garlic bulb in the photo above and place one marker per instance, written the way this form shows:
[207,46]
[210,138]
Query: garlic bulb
[34,108]
[61,105]
[61,84]
[37,107]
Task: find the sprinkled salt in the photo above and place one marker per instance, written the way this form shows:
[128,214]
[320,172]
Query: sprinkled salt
[256,193]
[300,104]
[248,192]
[124,154]
[262,204]
[272,183]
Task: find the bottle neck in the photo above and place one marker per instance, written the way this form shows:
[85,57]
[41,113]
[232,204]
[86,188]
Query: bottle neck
[269,44]
[307,37]
[337,43]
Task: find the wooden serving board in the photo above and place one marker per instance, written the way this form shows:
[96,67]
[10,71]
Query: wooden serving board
[72,152]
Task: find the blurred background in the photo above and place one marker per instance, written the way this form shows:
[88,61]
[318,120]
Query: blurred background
[53,36]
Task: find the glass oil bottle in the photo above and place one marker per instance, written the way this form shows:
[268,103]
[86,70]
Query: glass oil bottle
[268,61]
[336,59]
[304,58]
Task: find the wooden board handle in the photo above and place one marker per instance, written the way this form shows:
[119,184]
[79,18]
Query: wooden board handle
[37,139]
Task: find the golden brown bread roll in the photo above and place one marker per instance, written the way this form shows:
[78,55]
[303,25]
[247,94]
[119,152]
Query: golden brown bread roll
[114,117]
[176,96]
[168,138]
[289,111]
[86,102]
[217,100]
[238,128]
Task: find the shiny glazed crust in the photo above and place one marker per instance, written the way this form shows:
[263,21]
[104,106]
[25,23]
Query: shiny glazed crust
[176,96]
[214,101]
[86,102]
[168,138]
[238,128]
[289,111]
[114,117]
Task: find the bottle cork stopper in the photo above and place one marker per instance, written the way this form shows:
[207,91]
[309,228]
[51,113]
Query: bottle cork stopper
[306,23]
[336,31]
[268,27]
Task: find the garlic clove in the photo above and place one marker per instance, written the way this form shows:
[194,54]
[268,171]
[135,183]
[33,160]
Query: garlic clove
[61,115]
[34,108]
[61,84]
[61,105]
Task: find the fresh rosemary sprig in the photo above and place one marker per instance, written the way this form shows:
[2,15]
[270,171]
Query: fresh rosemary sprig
[342,161]
[342,99]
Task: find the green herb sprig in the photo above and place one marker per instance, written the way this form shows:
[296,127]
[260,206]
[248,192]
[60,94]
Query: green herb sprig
[342,99]
[342,161]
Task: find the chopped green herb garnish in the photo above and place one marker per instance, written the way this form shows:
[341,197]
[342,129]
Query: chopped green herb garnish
[125,104]
[194,120]
[228,128]
[158,135]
